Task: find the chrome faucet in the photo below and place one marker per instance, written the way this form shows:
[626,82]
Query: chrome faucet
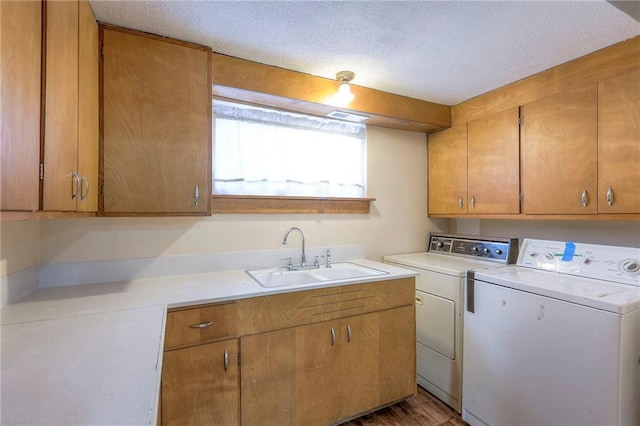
[303,263]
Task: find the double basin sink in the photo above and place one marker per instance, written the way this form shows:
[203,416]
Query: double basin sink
[340,271]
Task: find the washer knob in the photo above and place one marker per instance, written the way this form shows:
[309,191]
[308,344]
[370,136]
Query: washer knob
[630,266]
[439,244]
[486,250]
[498,251]
[475,249]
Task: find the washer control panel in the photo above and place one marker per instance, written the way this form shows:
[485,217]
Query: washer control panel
[610,263]
[502,250]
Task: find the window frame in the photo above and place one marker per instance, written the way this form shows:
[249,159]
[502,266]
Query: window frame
[284,204]
[267,204]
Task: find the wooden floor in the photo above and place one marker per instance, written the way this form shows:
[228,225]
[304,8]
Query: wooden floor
[421,410]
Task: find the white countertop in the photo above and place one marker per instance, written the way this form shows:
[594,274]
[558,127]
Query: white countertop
[91,354]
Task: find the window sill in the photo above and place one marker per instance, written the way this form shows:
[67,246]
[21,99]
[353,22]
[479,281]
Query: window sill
[259,204]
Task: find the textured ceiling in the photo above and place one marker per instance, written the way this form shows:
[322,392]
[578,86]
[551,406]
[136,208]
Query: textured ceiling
[444,52]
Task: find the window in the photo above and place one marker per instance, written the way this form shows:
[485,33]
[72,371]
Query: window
[258,151]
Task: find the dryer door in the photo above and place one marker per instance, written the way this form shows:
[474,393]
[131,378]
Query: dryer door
[435,323]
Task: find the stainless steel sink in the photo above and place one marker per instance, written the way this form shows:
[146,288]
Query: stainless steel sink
[341,271]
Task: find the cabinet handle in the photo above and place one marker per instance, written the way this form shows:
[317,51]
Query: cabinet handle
[348,333]
[202,325]
[460,202]
[473,202]
[83,195]
[75,179]
[196,195]
[610,196]
[585,198]
[226,360]
[333,336]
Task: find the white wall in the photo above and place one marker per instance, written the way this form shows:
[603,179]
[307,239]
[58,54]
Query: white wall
[19,246]
[619,233]
[397,223]
[20,254]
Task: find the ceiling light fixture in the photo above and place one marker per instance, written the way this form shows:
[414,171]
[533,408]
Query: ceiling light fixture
[344,92]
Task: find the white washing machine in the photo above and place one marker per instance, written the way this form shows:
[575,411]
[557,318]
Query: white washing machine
[555,339]
[439,304]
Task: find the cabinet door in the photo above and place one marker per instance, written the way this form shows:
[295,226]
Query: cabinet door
[88,56]
[156,115]
[378,359]
[291,376]
[61,181]
[397,374]
[447,171]
[359,338]
[619,144]
[559,152]
[20,47]
[493,163]
[199,386]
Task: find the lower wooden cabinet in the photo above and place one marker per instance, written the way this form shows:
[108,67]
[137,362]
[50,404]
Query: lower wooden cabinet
[321,373]
[312,357]
[200,385]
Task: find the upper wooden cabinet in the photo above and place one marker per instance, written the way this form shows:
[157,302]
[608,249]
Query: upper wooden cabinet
[493,163]
[474,168]
[447,171]
[559,153]
[619,143]
[156,135]
[20,38]
[70,107]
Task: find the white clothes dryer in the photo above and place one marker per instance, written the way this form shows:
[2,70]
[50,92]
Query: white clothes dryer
[439,304]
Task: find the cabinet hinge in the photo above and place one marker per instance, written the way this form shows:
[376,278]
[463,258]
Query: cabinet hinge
[521,120]
[238,357]
[521,198]
[41,171]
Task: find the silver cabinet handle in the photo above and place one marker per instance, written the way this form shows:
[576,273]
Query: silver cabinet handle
[473,202]
[75,179]
[610,196]
[226,360]
[348,333]
[196,195]
[460,202]
[202,325]
[333,336]
[83,195]
[585,198]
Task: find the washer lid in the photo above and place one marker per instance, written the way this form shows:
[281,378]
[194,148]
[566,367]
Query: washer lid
[599,294]
[442,263]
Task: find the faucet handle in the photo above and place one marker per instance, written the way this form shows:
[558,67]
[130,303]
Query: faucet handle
[328,259]
[316,262]
[289,262]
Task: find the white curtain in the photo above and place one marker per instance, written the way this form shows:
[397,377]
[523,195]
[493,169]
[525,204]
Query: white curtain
[266,152]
